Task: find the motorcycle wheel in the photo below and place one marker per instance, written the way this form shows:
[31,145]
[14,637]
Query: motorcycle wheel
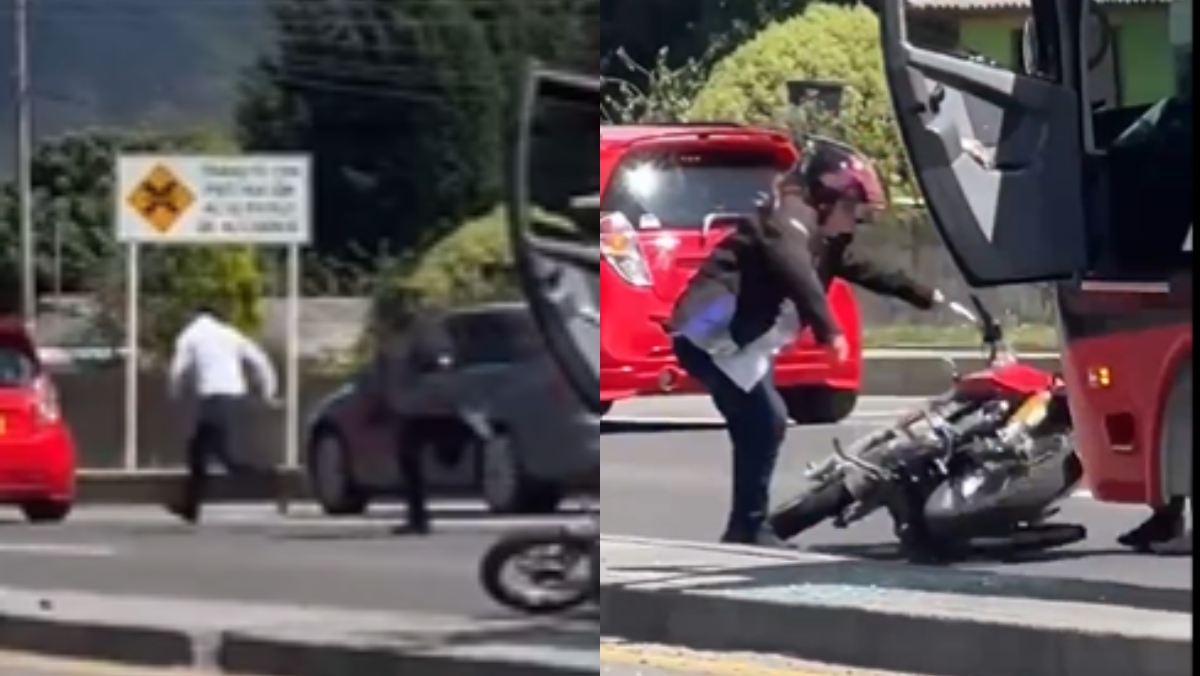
[810,509]
[514,549]
[1054,472]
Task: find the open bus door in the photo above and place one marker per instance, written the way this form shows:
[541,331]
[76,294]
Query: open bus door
[554,216]
[1014,213]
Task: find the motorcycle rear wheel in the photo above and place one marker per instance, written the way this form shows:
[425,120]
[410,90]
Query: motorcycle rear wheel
[810,509]
[514,546]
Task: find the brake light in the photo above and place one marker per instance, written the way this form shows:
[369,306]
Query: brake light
[620,248]
[48,410]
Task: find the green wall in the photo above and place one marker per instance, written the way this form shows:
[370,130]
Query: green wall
[1145,61]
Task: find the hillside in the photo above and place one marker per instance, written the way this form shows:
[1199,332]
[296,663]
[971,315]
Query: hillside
[154,63]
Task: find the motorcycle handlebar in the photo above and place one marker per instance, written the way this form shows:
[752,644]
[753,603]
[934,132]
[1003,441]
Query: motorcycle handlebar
[991,332]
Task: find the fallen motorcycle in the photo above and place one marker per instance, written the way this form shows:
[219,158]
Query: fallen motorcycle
[554,569]
[977,469]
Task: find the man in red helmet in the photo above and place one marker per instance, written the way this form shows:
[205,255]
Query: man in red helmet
[759,287]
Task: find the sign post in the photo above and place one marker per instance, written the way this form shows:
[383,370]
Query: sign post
[214,200]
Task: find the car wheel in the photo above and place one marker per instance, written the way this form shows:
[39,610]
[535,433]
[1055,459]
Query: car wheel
[330,478]
[819,405]
[505,486]
[46,511]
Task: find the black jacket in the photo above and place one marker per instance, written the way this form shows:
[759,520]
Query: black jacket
[761,264]
[836,259]
[769,262]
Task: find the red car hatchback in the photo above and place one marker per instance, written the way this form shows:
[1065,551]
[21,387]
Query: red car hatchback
[37,453]
[664,191]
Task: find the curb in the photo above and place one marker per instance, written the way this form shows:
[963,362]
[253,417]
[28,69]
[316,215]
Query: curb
[862,628]
[264,651]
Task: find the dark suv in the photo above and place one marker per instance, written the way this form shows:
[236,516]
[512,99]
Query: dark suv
[499,406]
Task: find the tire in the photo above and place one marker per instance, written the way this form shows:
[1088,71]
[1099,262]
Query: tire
[506,488]
[819,405]
[497,559]
[46,512]
[329,477]
[1057,469]
[810,509]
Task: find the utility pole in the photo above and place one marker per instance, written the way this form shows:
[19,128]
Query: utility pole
[24,167]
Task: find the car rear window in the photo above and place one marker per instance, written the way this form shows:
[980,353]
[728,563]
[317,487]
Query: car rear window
[17,369]
[680,189]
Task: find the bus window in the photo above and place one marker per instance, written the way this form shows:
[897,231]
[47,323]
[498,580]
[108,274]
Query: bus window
[1149,168]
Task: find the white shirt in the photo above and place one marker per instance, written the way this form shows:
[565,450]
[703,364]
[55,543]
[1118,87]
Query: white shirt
[212,357]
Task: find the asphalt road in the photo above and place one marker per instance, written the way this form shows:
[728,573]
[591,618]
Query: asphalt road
[251,554]
[667,482]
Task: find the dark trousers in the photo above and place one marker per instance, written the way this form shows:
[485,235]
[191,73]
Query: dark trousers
[412,439]
[756,422]
[213,438]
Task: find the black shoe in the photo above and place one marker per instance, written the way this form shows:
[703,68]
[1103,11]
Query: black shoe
[1159,529]
[1180,546]
[763,538]
[189,514]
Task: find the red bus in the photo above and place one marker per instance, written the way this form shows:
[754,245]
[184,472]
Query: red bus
[1091,197]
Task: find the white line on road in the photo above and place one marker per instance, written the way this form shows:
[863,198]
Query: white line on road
[70,551]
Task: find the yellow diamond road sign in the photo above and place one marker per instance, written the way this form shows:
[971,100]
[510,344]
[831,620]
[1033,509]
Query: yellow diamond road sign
[161,198]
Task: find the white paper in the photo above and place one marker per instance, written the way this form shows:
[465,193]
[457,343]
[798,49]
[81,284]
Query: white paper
[747,367]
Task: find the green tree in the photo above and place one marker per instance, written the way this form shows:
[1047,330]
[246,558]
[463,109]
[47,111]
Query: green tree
[826,42]
[73,202]
[398,103]
[73,185]
[473,264]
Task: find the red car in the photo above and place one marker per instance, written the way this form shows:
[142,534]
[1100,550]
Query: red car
[37,452]
[664,191]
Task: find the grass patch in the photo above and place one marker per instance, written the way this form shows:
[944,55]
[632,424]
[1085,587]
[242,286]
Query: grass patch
[1027,337]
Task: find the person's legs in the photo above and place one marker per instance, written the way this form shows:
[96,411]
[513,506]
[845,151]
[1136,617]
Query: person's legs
[203,444]
[756,424]
[1165,525]
[409,444]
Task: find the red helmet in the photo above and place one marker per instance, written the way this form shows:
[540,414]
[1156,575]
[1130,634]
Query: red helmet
[830,172]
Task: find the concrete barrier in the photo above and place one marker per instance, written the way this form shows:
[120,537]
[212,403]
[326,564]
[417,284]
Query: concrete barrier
[890,617]
[283,641]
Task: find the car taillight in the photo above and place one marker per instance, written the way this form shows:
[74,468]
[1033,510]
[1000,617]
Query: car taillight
[619,246]
[48,410]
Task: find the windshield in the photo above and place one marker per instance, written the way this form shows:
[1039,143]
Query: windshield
[17,370]
[680,189]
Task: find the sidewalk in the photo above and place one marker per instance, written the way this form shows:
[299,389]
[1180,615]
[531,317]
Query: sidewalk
[888,616]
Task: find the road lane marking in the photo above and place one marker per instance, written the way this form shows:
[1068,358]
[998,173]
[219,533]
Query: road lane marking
[40,665]
[690,663]
[70,551]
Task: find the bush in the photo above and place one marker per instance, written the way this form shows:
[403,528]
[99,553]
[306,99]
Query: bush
[228,279]
[174,283]
[826,42]
[471,265]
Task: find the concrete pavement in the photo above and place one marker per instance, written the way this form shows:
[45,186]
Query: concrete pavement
[618,658]
[881,615]
[674,484]
[288,640]
[1081,611]
[253,592]
[250,553]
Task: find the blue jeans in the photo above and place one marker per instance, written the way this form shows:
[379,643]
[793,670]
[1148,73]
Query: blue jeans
[756,422]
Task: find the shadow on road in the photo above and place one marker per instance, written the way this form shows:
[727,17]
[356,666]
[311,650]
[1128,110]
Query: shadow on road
[616,427]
